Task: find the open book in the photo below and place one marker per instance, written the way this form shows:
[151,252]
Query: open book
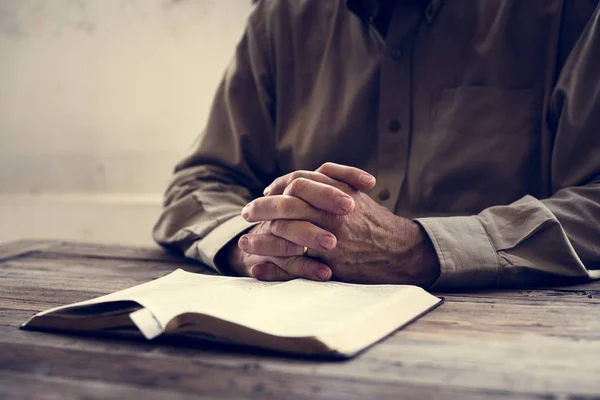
[298,316]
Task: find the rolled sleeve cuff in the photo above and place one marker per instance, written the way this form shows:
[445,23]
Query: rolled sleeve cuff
[206,250]
[466,254]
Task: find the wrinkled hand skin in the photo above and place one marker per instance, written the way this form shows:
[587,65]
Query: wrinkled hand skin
[273,268]
[372,244]
[376,246]
[238,260]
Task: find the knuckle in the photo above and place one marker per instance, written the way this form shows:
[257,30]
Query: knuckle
[287,180]
[325,167]
[285,247]
[293,176]
[259,243]
[303,266]
[344,187]
[270,272]
[263,227]
[332,191]
[299,266]
[276,183]
[297,186]
[332,222]
[278,228]
[301,173]
[288,264]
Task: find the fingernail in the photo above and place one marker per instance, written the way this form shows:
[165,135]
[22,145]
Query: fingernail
[323,274]
[345,203]
[267,191]
[366,178]
[327,242]
[245,213]
[243,243]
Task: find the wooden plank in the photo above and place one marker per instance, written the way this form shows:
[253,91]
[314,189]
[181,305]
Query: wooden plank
[69,254]
[116,252]
[533,342]
[107,275]
[554,318]
[52,248]
[36,262]
[402,371]
[528,297]
[570,320]
[79,280]
[550,318]
[91,275]
[38,387]
[589,289]
[68,249]
[486,358]
[196,377]
[22,247]
[592,285]
[32,296]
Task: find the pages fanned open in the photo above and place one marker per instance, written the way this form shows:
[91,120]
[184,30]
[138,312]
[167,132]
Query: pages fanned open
[298,316]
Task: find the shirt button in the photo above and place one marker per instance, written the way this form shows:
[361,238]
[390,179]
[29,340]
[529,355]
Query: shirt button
[429,11]
[396,53]
[384,194]
[394,126]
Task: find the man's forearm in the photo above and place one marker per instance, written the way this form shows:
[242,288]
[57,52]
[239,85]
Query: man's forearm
[200,218]
[425,258]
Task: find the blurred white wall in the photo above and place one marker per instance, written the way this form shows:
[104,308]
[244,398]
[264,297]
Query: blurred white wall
[98,100]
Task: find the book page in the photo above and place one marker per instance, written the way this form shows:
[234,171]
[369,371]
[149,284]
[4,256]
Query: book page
[297,308]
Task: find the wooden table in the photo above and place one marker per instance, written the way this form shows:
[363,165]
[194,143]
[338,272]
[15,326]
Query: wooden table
[484,344]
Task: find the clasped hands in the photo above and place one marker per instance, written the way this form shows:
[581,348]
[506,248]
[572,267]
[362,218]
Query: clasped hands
[349,236]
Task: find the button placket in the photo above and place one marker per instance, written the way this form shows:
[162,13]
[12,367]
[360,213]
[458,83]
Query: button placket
[394,107]
[394,126]
[396,53]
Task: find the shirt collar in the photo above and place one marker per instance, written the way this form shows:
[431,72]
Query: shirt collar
[367,10]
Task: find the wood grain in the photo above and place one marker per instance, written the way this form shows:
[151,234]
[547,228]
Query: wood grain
[482,344]
[17,248]
[115,252]
[57,388]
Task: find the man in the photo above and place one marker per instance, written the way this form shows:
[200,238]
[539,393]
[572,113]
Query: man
[478,123]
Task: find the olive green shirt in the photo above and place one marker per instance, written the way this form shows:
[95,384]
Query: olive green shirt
[480,120]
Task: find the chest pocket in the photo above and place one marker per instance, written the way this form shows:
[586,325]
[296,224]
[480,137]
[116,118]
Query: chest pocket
[483,150]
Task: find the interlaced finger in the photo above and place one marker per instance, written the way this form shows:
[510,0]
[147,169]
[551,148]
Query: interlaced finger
[304,233]
[267,244]
[322,196]
[279,184]
[355,177]
[280,207]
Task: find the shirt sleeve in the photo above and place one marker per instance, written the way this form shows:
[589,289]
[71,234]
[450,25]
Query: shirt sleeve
[537,240]
[231,161]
